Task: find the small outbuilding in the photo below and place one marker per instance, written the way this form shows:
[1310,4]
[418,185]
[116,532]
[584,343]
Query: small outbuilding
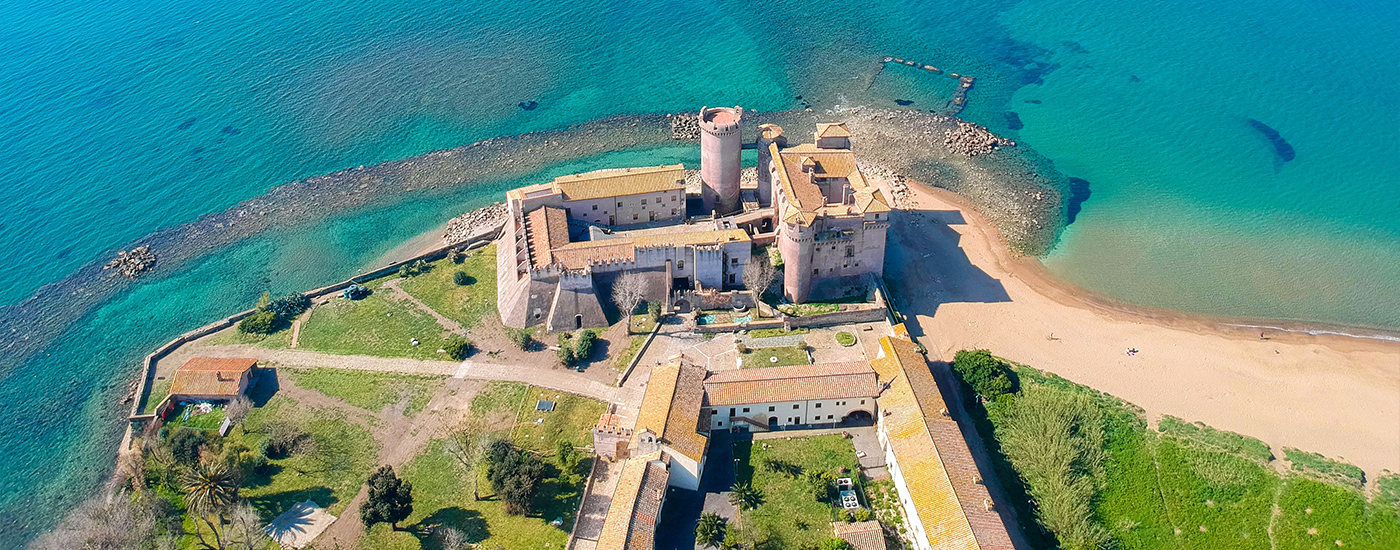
[212,378]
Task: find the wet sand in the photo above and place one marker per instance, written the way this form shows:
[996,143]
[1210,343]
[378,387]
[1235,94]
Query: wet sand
[962,288]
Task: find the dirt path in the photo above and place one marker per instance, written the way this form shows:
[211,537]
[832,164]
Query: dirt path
[400,294]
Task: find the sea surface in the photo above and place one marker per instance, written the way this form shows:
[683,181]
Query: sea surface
[124,120]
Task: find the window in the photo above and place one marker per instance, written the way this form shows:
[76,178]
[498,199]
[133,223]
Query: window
[619,205]
[733,261]
[731,411]
[634,217]
[746,409]
[828,417]
[850,251]
[794,407]
[595,207]
[720,423]
[680,264]
[817,271]
[819,405]
[673,211]
[862,401]
[771,408]
[644,202]
[731,278]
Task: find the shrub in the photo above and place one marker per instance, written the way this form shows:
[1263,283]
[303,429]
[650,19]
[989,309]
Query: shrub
[185,444]
[566,351]
[845,338]
[520,338]
[583,345]
[289,306]
[1324,467]
[654,309]
[740,347]
[862,515]
[260,322]
[709,531]
[987,375]
[405,272]
[460,278]
[745,496]
[835,543]
[514,475]
[390,499]
[457,348]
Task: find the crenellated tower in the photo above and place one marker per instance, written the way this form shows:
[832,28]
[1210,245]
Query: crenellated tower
[720,149]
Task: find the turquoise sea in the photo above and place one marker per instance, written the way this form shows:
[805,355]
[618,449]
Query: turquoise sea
[126,120]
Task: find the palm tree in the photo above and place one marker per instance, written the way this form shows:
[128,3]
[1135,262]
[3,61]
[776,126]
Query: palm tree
[745,496]
[210,486]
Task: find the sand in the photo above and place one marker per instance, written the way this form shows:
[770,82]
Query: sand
[962,288]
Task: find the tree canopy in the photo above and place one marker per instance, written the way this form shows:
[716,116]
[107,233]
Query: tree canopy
[390,499]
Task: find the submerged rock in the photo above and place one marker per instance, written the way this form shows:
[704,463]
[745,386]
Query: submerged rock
[130,263]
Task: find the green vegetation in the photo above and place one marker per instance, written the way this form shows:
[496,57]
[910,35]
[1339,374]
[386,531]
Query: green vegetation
[793,482]
[1228,442]
[208,422]
[259,322]
[570,420]
[457,348]
[845,338]
[272,315]
[709,530]
[774,332]
[1388,489]
[643,324]
[374,325]
[467,304]
[514,474]
[159,389]
[521,338]
[280,338]
[986,375]
[331,457]
[625,357]
[808,309]
[390,499]
[1325,468]
[369,390]
[1098,477]
[756,358]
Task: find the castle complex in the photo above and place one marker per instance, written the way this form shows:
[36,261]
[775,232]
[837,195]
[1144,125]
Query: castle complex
[567,241]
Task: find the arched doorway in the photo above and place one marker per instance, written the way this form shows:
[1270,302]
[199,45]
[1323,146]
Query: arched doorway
[858,418]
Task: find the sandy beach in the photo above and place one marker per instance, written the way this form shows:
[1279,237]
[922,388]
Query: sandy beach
[962,288]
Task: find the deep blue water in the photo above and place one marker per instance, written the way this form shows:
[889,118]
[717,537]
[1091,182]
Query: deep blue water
[123,119]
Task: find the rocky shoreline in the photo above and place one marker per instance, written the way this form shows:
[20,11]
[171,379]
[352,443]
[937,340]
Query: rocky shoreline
[467,225]
[970,139]
[130,263]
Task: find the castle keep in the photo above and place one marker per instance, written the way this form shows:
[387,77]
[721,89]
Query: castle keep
[568,240]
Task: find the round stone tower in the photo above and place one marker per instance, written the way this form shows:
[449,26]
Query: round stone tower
[720,147]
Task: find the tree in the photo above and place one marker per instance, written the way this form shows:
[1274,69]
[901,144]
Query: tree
[583,345]
[390,499]
[210,486]
[654,310]
[288,307]
[461,279]
[758,274]
[567,456]
[237,409]
[566,351]
[467,444]
[710,530]
[745,496]
[457,348]
[285,439]
[514,475]
[521,338]
[259,322]
[185,444]
[122,521]
[983,372]
[628,291]
[835,543]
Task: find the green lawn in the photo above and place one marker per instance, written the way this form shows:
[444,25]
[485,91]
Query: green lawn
[1193,487]
[280,339]
[771,332]
[442,496]
[626,355]
[159,389]
[369,390]
[343,456]
[374,325]
[571,420]
[791,516]
[763,357]
[208,422]
[466,304]
[642,324]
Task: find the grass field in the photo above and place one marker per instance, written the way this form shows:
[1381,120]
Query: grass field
[368,390]
[772,332]
[280,339]
[626,355]
[466,304]
[791,516]
[1193,487]
[758,358]
[442,487]
[375,325]
[159,389]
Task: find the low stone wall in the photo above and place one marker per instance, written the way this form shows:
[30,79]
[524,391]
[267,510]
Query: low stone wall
[136,419]
[838,318]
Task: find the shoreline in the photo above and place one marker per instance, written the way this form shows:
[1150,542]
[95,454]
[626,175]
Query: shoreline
[1029,269]
[1302,388]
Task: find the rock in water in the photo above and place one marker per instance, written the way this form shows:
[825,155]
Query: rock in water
[463,227]
[971,140]
[685,126]
[130,263]
[1281,147]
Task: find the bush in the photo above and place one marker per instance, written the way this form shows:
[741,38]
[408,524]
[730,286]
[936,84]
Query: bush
[405,272]
[1324,467]
[985,374]
[390,499]
[260,322]
[862,515]
[515,475]
[654,309]
[289,306]
[835,543]
[520,338]
[709,531]
[845,338]
[185,444]
[458,348]
[583,345]
[460,278]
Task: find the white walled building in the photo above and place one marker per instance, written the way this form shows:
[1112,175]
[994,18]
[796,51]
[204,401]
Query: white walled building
[812,396]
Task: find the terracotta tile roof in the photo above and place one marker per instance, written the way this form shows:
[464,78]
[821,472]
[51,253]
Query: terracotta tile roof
[689,238]
[931,455]
[833,130]
[671,408]
[863,535]
[805,198]
[546,228]
[583,254]
[636,504]
[621,181]
[210,376]
[795,383]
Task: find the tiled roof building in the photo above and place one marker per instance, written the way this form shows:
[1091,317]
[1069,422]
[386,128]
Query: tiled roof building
[669,420]
[636,504]
[210,378]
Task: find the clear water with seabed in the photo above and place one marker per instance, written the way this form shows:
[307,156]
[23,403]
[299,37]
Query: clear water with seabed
[123,119]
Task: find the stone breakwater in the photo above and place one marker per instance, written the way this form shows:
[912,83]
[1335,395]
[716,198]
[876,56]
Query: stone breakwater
[463,227]
[971,139]
[685,126]
[130,263]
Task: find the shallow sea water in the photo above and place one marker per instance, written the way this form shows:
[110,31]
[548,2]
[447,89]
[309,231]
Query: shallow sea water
[125,119]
